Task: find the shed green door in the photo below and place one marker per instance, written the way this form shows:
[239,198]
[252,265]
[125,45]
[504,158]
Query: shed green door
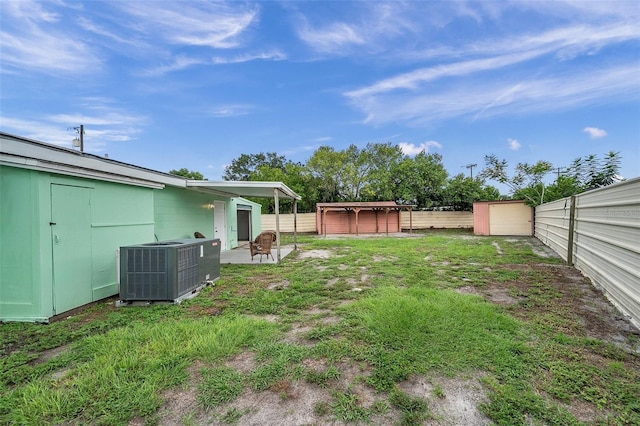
[71,240]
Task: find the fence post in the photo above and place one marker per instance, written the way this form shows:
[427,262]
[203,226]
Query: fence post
[572,221]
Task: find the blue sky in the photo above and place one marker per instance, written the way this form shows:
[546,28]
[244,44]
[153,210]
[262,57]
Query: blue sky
[167,85]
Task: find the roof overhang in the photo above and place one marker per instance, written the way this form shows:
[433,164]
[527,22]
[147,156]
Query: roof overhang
[30,154]
[244,188]
[26,153]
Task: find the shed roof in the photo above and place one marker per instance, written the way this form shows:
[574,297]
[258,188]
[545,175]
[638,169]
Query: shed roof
[365,205]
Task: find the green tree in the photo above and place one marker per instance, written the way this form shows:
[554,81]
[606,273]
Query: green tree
[462,191]
[355,173]
[489,193]
[327,166]
[244,166]
[428,180]
[564,186]
[187,174]
[384,159]
[525,184]
[296,177]
[590,172]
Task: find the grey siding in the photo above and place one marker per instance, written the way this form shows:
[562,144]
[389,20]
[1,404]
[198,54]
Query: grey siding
[552,225]
[606,245]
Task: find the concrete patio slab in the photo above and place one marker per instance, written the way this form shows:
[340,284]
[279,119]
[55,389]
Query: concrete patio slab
[242,255]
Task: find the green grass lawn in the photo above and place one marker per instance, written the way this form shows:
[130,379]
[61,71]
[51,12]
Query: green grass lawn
[356,328]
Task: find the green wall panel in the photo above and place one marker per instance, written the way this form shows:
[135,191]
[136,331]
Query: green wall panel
[121,215]
[180,212]
[20,296]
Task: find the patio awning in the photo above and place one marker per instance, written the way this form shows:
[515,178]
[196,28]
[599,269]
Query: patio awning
[257,189]
[245,188]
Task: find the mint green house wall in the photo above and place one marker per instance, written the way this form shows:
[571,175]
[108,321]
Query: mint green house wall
[59,234]
[40,276]
[121,215]
[178,213]
[22,297]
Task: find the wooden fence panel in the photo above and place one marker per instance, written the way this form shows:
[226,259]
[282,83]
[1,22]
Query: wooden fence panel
[306,222]
[420,219]
[437,220]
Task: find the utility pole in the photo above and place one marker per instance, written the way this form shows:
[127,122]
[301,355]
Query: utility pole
[79,142]
[470,167]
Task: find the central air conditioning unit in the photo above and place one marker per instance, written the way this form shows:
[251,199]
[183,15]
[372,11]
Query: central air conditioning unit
[167,270]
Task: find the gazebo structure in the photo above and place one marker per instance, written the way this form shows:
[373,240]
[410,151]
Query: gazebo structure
[361,217]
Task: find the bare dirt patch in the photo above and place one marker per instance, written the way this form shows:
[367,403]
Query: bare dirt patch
[243,362]
[565,294]
[180,403]
[49,354]
[291,403]
[316,254]
[279,285]
[455,402]
[297,335]
[385,258]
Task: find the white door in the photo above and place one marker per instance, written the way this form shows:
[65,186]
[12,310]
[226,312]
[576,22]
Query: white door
[220,223]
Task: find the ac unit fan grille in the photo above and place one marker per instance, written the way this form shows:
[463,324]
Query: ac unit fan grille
[147,273]
[187,269]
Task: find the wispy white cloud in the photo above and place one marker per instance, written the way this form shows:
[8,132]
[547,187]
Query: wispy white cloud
[334,38]
[369,27]
[29,10]
[513,144]
[108,33]
[31,40]
[213,24]
[323,139]
[230,110]
[273,55]
[594,132]
[565,43]
[413,149]
[178,63]
[182,62]
[503,96]
[104,124]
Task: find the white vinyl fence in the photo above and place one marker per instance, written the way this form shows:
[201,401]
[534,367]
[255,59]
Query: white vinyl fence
[599,232]
[419,219]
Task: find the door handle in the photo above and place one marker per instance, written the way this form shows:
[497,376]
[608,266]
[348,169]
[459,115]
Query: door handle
[56,238]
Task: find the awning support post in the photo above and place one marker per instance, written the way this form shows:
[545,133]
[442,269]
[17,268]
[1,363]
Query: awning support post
[277,211]
[295,224]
